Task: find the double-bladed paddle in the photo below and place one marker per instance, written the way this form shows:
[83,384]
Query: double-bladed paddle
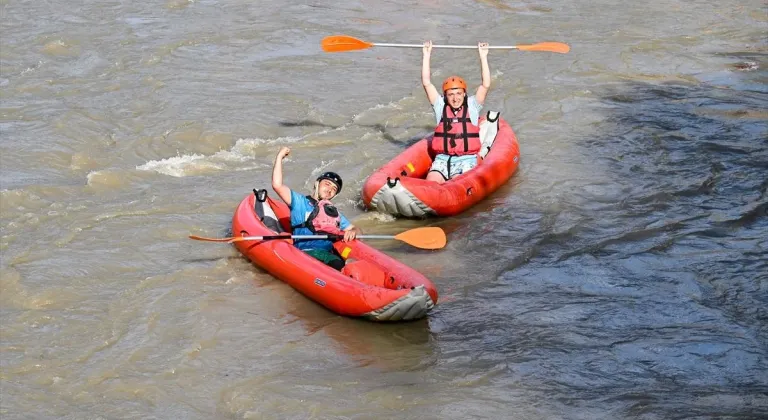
[424,237]
[341,43]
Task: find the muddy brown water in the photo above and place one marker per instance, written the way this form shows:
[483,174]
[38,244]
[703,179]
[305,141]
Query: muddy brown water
[620,274]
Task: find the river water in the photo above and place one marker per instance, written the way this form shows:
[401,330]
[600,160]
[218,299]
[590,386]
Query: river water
[622,273]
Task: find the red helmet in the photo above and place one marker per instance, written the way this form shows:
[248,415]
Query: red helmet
[454,82]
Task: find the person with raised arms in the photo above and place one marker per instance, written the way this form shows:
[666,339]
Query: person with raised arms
[315,214]
[456,141]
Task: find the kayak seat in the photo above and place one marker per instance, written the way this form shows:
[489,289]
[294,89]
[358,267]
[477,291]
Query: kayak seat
[265,212]
[489,127]
[366,272]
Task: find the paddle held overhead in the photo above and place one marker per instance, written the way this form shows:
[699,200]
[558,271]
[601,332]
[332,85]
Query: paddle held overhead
[342,43]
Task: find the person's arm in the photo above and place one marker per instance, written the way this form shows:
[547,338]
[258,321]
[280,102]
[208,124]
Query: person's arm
[485,73]
[350,231]
[277,176]
[426,77]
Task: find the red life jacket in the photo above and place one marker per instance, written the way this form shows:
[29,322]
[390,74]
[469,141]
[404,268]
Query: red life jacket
[453,127]
[325,218]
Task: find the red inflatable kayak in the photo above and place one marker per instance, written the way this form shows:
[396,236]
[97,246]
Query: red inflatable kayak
[399,187]
[372,285]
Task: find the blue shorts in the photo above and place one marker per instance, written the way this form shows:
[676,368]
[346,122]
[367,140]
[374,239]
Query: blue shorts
[450,166]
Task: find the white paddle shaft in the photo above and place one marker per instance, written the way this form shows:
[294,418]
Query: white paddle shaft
[261,238]
[491,47]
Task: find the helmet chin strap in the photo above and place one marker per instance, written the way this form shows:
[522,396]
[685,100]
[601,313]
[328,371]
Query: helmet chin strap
[316,191]
[463,103]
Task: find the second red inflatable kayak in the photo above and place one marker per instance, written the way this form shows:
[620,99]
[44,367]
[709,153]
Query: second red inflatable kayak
[399,187]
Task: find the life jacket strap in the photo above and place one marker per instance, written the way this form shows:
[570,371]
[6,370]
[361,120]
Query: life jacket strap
[453,136]
[314,204]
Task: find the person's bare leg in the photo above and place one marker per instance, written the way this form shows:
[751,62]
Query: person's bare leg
[436,177]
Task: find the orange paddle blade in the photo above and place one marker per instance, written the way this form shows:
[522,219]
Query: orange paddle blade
[340,43]
[424,238]
[202,238]
[556,47]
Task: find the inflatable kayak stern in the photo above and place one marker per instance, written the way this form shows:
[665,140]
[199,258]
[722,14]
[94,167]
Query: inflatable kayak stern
[412,306]
[397,200]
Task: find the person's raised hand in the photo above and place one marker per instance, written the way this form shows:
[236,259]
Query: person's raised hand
[283,152]
[482,48]
[427,49]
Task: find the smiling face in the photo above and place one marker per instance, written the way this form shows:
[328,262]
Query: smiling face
[455,97]
[326,189]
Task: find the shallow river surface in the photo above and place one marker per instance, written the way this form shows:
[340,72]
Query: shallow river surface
[621,273]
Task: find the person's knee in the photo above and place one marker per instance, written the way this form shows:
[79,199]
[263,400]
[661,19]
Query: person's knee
[435,177]
[336,263]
